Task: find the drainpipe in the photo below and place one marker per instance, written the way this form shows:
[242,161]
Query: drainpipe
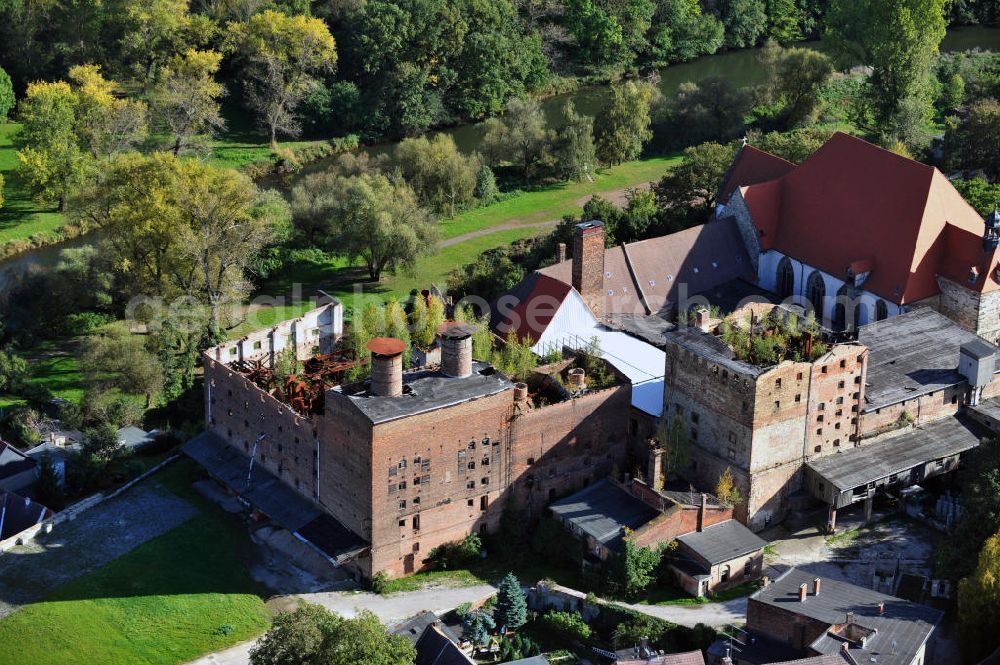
[317,470]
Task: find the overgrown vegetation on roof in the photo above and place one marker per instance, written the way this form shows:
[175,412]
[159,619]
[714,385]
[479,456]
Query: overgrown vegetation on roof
[776,336]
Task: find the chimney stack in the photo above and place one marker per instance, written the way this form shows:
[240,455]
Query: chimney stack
[456,349]
[701,319]
[560,252]
[701,511]
[803,592]
[881,607]
[520,392]
[577,378]
[387,366]
[655,470]
[588,263]
[816,584]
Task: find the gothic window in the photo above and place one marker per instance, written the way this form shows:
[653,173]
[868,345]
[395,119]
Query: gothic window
[881,310]
[816,292]
[785,278]
[843,298]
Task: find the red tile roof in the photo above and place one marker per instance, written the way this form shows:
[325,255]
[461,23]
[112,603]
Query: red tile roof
[687,658]
[853,203]
[750,167]
[536,300]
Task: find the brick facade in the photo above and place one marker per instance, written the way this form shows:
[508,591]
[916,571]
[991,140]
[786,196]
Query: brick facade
[588,264]
[410,484]
[764,426]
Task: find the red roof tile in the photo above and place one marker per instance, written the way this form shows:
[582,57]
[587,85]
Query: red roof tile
[852,202]
[535,302]
[750,167]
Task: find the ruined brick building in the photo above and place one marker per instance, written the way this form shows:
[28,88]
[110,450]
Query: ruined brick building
[376,474]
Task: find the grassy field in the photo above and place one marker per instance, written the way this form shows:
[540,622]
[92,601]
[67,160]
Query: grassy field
[20,217]
[519,216]
[168,601]
[554,201]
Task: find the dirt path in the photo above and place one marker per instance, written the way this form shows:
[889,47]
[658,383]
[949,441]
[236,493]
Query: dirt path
[96,537]
[618,197]
[506,226]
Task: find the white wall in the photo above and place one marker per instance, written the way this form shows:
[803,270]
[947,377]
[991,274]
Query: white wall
[767,279]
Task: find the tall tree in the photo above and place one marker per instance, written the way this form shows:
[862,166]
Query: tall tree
[681,31]
[687,191]
[282,55]
[511,610]
[979,136]
[155,30]
[979,604]
[711,110]
[573,149]
[105,124]
[116,358]
[624,124]
[382,223]
[51,162]
[476,626]
[185,100]
[899,39]
[442,177]
[520,136]
[6,95]
[745,21]
[796,80]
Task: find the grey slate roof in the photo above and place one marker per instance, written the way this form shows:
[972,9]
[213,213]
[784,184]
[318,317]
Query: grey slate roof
[979,349]
[722,542]
[434,648]
[900,630]
[13,461]
[649,328]
[854,467]
[272,497]
[603,510]
[134,438]
[414,627]
[17,513]
[427,390]
[913,354]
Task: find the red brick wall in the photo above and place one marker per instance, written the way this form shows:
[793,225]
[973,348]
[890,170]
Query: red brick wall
[784,626]
[435,447]
[239,412]
[560,448]
[677,521]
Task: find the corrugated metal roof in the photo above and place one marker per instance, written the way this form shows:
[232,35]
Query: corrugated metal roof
[912,354]
[856,467]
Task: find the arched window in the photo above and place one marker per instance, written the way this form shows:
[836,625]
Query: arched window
[881,310]
[725,574]
[816,292]
[841,306]
[748,568]
[784,283]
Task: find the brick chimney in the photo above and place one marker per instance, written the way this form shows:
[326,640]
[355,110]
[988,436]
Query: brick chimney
[702,319]
[456,349]
[588,262]
[655,464]
[816,585]
[803,592]
[701,511]
[387,366]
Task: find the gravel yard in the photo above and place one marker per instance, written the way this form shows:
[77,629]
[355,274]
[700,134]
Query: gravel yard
[98,536]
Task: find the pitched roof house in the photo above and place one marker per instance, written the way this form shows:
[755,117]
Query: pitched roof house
[17,470]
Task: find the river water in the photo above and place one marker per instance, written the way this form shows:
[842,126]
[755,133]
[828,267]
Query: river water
[739,67]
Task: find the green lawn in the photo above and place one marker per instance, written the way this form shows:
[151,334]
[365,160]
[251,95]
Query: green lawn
[168,601]
[55,365]
[554,201]
[20,217]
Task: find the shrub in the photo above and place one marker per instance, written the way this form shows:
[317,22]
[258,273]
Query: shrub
[456,554]
[380,583]
[568,624]
[463,609]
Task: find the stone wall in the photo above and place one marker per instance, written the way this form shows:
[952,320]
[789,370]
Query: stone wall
[317,330]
